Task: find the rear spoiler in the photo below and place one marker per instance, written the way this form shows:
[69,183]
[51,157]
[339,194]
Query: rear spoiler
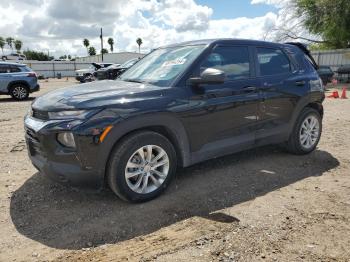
[306,51]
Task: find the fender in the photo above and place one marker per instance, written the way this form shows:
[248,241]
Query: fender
[165,120]
[313,98]
[17,82]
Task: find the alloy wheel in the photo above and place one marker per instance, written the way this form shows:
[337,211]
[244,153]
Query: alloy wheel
[147,169]
[309,132]
[19,92]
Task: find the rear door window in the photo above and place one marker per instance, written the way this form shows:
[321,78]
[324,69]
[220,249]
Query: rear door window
[15,69]
[272,61]
[4,69]
[233,60]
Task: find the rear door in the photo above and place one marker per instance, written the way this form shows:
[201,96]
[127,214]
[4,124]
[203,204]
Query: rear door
[281,85]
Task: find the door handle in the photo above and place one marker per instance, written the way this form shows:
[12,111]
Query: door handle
[300,83]
[249,89]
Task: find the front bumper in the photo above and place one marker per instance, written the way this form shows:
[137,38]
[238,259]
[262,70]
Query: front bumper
[58,163]
[79,78]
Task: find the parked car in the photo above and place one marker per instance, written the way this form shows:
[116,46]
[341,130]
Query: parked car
[344,73]
[14,56]
[17,80]
[113,71]
[179,105]
[326,74]
[84,75]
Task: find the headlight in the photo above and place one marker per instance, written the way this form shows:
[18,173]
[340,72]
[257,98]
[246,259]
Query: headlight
[66,139]
[77,114]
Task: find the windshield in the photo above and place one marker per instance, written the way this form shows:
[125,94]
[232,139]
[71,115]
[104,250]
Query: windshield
[163,65]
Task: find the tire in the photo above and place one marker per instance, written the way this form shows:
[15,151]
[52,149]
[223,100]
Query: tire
[304,138]
[19,92]
[126,159]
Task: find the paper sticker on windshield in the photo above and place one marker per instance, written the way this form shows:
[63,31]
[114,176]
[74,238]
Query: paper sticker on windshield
[179,61]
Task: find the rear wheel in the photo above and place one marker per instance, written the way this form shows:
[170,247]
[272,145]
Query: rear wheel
[19,92]
[141,166]
[306,133]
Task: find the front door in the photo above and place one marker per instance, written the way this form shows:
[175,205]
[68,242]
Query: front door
[223,117]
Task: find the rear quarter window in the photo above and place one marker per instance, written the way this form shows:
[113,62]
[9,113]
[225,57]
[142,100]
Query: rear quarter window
[15,69]
[26,69]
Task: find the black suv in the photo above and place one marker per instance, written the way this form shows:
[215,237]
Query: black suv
[179,105]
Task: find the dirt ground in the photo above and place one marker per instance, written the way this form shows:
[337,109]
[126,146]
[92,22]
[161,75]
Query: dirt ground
[259,205]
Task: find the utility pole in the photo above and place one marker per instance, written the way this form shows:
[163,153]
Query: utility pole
[101,36]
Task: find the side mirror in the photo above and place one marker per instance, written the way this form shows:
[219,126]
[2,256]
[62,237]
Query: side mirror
[209,76]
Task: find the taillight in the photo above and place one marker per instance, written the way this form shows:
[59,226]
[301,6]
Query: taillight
[32,74]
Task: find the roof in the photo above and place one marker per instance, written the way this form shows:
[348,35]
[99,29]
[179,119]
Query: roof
[10,63]
[224,41]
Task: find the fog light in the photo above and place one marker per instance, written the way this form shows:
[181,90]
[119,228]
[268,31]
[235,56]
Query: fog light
[66,139]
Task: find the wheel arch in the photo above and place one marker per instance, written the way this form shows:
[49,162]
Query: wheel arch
[21,82]
[164,124]
[304,103]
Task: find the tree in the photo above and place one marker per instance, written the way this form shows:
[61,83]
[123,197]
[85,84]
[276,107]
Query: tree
[9,41]
[18,45]
[111,43]
[86,43]
[104,51]
[92,50]
[69,57]
[34,55]
[139,42]
[2,44]
[323,23]
[63,57]
[329,19]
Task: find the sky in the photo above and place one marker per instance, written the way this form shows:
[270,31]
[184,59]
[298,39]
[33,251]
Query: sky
[59,26]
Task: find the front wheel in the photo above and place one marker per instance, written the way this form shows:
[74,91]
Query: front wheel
[306,133]
[141,166]
[19,92]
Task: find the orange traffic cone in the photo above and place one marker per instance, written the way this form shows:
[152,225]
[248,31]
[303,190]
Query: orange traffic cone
[343,93]
[335,94]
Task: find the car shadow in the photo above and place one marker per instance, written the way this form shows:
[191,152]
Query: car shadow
[66,218]
[10,99]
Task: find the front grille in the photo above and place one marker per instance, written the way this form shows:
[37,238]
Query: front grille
[34,144]
[40,114]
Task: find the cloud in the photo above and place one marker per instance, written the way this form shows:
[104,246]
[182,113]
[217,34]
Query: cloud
[277,3]
[60,25]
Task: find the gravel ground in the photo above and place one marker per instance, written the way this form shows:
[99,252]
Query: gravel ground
[262,204]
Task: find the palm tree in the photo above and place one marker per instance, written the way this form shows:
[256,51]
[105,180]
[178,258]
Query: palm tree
[86,43]
[92,50]
[2,44]
[18,45]
[104,51]
[139,42]
[9,41]
[111,43]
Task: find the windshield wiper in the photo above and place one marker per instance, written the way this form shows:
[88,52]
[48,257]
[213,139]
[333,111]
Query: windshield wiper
[133,80]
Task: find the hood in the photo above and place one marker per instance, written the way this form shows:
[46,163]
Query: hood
[97,94]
